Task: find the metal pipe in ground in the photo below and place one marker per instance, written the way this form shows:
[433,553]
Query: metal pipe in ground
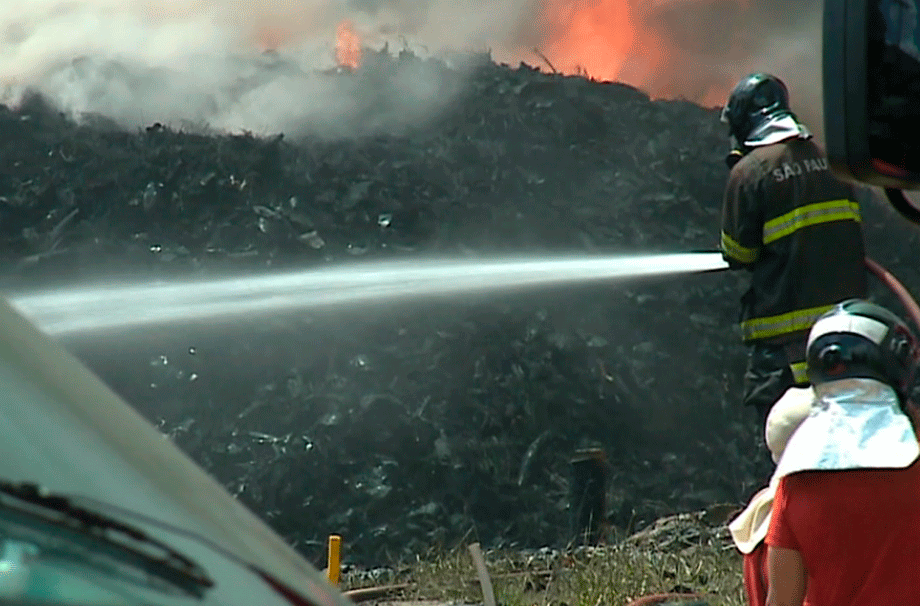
[588,496]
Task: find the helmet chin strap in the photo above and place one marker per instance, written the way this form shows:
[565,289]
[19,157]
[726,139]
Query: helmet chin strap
[737,152]
[733,157]
[773,129]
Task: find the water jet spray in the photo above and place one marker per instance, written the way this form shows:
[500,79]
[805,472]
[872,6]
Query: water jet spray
[102,307]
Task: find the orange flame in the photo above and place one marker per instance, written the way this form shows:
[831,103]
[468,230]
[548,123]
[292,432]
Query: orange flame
[347,45]
[612,40]
[593,40]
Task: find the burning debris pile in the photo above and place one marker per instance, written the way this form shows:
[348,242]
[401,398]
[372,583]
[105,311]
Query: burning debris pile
[403,428]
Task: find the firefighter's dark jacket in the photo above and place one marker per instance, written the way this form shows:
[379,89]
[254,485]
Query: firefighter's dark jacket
[798,230]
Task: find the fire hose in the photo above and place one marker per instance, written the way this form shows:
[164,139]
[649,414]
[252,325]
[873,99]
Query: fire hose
[895,286]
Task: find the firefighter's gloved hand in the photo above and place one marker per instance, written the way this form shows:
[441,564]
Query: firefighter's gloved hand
[734,264]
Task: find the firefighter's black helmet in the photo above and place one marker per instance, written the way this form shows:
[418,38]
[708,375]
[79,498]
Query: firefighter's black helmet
[858,339]
[753,101]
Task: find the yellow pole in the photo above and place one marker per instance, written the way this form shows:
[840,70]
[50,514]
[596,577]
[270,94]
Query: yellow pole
[335,558]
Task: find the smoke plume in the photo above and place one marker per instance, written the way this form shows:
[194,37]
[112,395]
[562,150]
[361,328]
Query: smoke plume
[203,61]
[715,43]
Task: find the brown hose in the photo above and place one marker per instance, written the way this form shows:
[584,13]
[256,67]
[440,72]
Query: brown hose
[373,593]
[913,310]
[652,600]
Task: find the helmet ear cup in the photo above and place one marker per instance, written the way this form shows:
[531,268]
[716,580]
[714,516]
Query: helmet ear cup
[902,345]
[903,350]
[830,358]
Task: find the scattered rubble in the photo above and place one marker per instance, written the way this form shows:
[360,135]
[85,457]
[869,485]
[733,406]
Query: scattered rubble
[434,422]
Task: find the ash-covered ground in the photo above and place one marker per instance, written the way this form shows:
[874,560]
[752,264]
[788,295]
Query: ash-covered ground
[412,425]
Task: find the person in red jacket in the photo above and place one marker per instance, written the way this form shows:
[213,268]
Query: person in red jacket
[845,527]
[749,528]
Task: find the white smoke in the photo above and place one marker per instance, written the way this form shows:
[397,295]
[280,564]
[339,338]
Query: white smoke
[199,62]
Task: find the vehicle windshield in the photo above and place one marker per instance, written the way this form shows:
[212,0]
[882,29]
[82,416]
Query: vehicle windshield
[52,552]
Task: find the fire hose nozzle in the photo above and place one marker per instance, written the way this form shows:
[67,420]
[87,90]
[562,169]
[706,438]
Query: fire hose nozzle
[719,263]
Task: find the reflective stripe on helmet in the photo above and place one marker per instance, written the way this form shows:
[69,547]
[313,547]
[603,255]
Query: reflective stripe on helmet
[811,214]
[740,253]
[871,329]
[774,326]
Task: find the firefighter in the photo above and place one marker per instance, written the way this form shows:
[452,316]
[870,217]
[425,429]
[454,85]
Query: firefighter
[793,226]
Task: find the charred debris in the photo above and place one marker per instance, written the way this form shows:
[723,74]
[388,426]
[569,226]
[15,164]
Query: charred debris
[429,423]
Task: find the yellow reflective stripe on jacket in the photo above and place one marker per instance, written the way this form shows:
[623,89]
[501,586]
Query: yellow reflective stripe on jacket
[774,326]
[799,372]
[811,214]
[734,250]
